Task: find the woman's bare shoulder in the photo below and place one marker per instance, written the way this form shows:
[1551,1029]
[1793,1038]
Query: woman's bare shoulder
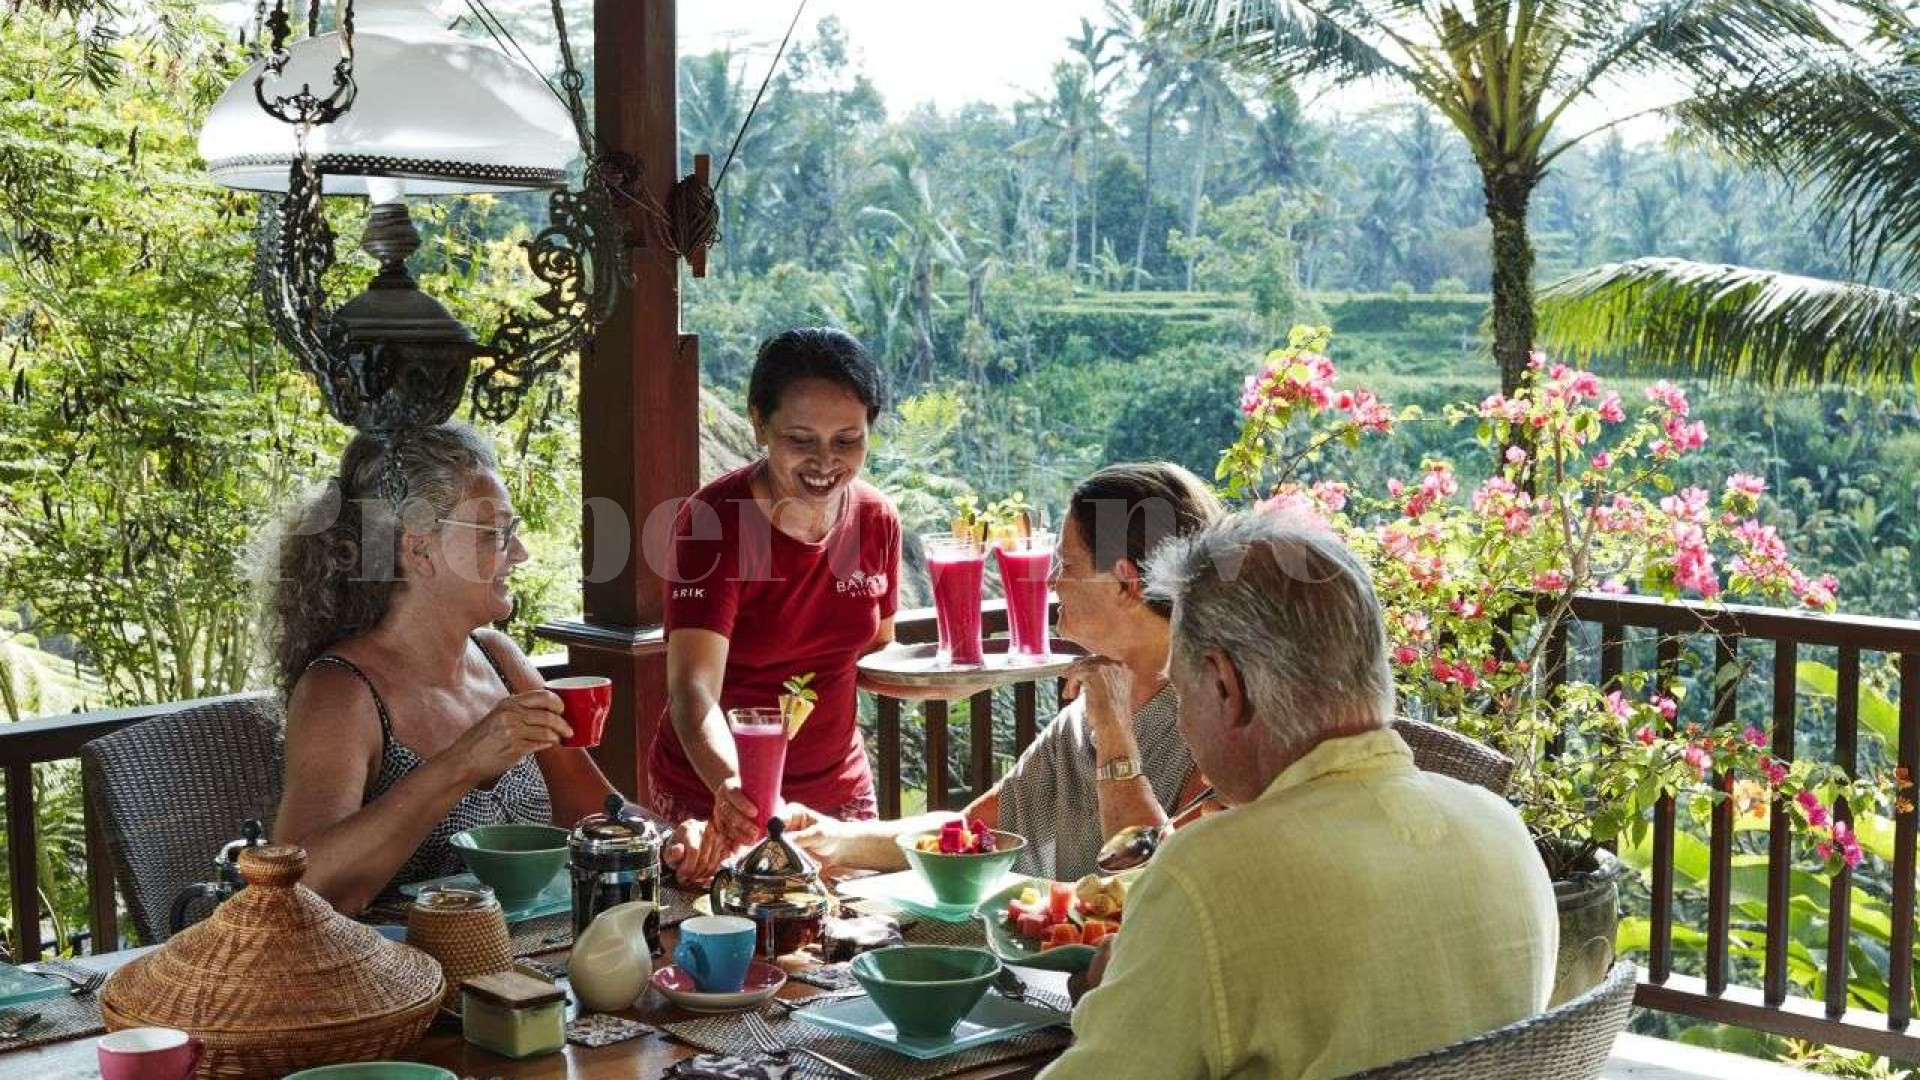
[331,698]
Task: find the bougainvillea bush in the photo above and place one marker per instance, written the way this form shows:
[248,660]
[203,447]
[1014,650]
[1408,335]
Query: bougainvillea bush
[1476,577]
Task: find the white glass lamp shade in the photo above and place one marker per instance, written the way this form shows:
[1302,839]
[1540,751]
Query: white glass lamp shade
[440,113]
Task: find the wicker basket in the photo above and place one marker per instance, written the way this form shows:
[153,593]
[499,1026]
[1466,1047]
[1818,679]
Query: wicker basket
[277,981]
[466,932]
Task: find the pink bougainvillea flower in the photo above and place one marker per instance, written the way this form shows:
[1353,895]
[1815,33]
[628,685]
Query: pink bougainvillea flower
[1669,397]
[1746,484]
[1645,735]
[1698,757]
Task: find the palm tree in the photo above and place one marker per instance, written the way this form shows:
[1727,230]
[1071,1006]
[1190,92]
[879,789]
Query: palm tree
[1198,89]
[714,96]
[1155,55]
[1504,73]
[1069,121]
[1849,125]
[1090,47]
[918,238]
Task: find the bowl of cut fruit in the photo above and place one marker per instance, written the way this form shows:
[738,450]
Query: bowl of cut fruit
[1055,925]
[963,860]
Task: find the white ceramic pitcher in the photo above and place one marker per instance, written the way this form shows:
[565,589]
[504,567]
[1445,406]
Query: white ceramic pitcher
[611,962]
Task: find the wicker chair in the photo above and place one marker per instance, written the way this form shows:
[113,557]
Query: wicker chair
[1570,1042]
[170,791]
[1449,753]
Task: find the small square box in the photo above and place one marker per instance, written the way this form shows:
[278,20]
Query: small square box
[514,1015]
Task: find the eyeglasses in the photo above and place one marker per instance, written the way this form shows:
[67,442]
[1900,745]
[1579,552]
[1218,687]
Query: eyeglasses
[504,533]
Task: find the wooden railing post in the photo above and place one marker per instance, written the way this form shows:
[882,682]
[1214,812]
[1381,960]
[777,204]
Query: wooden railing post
[23,861]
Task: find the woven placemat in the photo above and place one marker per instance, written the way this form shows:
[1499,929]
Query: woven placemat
[728,1035]
[61,1018]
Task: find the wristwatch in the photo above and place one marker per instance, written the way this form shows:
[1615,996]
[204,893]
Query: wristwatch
[1125,768]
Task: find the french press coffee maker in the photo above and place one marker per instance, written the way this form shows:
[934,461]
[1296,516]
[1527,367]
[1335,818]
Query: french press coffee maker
[613,858]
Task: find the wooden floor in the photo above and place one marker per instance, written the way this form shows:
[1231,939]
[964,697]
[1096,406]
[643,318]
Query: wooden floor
[1637,1057]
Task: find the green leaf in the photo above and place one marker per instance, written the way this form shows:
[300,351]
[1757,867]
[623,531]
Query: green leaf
[1877,713]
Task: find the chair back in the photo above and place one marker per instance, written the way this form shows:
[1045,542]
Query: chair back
[170,791]
[1568,1042]
[1449,753]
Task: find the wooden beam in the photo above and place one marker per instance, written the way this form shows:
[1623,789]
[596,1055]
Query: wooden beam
[639,400]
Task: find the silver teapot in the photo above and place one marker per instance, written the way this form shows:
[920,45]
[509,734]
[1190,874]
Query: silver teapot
[777,886]
[226,881]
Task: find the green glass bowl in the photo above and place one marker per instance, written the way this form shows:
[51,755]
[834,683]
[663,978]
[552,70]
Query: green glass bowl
[964,880]
[516,861]
[925,989]
[375,1070]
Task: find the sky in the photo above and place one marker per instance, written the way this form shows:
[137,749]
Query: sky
[998,51]
[953,52]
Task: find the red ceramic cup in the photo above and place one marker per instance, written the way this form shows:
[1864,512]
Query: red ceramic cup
[150,1054]
[585,700]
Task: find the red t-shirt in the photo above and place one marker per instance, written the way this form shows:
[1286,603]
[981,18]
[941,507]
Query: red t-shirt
[787,607]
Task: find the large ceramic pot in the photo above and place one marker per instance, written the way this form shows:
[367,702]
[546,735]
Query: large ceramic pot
[1588,896]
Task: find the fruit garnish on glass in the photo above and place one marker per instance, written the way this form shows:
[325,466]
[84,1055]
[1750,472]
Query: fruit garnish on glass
[798,702]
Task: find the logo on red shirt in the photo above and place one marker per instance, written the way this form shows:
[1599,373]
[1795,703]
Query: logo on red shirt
[862,584]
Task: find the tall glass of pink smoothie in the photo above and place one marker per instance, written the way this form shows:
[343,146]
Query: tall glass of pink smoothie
[1026,563]
[760,742]
[957,567]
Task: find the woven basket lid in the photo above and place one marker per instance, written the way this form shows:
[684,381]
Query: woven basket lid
[275,957]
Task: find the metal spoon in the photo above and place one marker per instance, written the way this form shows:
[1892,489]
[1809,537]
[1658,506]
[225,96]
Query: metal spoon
[1135,844]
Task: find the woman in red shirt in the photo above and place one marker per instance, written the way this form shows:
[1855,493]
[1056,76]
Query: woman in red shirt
[785,566]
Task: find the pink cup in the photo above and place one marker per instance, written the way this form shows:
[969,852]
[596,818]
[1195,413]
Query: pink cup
[150,1054]
[585,700]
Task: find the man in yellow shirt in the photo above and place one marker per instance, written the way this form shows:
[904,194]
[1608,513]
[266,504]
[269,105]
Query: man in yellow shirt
[1351,910]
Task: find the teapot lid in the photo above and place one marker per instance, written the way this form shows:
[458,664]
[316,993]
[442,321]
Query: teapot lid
[776,860]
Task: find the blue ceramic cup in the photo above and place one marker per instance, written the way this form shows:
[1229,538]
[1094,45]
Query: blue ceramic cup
[715,950]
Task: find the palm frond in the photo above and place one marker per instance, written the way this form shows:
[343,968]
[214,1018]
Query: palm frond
[1285,38]
[1851,128]
[1732,322]
[1713,42]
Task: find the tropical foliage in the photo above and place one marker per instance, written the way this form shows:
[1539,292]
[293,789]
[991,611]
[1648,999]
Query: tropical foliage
[1843,122]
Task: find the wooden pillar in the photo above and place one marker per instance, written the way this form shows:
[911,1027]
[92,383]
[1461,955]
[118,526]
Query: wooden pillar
[639,401]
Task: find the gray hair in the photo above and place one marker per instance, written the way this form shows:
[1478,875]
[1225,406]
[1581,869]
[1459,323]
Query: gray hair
[1293,609]
[336,559]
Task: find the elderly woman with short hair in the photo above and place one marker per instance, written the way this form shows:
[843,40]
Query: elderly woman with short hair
[1351,910]
[1112,757]
[409,718]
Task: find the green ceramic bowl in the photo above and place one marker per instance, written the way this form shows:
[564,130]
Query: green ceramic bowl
[516,861]
[375,1070]
[963,880]
[925,989]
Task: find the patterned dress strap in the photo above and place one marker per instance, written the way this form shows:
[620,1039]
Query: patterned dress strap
[492,663]
[379,703]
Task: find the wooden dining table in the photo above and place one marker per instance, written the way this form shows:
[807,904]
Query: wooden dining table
[644,1058]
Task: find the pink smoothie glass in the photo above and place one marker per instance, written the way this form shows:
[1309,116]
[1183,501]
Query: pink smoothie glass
[1026,564]
[760,742]
[957,568]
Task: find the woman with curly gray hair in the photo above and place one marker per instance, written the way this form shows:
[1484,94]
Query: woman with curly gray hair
[408,717]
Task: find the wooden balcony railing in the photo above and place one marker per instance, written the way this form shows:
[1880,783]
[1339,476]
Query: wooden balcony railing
[1620,627]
